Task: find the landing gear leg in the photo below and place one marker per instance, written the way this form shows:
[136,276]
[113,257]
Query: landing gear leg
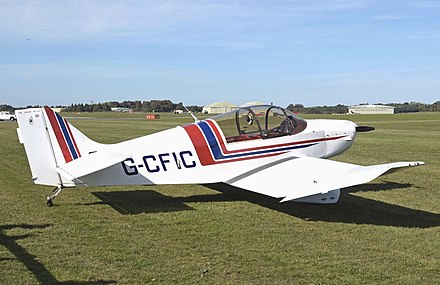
[55,192]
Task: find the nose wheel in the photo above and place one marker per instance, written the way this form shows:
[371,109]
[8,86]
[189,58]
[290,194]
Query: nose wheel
[55,192]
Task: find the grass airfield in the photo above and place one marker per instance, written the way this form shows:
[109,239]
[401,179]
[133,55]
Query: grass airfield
[384,232]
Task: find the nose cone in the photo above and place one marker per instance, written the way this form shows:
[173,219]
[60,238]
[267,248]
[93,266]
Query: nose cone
[340,128]
[339,135]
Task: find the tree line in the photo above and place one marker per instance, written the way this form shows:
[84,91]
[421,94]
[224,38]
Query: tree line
[407,107]
[165,106]
[168,106]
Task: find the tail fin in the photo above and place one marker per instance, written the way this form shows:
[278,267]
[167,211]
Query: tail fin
[50,141]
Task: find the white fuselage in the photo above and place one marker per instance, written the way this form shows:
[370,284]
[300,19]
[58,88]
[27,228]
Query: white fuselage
[199,153]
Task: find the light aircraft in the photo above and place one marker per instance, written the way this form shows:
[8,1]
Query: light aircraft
[265,149]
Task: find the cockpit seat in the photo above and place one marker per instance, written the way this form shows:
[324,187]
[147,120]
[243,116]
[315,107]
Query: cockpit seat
[243,137]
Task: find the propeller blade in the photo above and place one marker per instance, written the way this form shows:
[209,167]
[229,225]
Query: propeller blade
[363,129]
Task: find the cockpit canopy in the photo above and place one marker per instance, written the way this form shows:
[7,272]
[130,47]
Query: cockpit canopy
[259,122]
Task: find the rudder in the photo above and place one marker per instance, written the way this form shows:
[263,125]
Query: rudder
[50,141]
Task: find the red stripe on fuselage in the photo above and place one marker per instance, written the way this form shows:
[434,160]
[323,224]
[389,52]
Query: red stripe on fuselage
[203,152]
[58,134]
[206,157]
[226,151]
[200,144]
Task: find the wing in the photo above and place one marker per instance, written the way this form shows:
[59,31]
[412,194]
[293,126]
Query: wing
[292,178]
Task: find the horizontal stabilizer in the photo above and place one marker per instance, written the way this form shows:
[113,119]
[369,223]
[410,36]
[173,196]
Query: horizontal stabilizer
[89,164]
[296,177]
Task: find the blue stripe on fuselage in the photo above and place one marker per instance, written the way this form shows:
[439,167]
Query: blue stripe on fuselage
[215,148]
[212,141]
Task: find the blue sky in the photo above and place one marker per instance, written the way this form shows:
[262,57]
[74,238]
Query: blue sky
[310,52]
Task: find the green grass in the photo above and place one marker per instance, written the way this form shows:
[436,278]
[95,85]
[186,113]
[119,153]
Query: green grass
[384,232]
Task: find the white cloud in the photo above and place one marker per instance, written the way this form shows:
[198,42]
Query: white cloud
[375,74]
[391,17]
[96,70]
[425,4]
[160,21]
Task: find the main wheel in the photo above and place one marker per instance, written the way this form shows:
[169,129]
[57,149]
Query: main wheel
[12,119]
[49,202]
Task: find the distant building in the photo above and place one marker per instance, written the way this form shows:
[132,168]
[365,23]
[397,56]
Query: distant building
[371,109]
[252,104]
[219,107]
[121,109]
[57,109]
[178,111]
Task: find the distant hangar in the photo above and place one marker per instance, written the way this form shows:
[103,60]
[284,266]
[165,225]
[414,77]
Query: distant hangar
[223,107]
[371,109]
[219,107]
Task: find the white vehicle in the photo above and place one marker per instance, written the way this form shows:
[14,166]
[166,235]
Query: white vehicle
[5,115]
[264,149]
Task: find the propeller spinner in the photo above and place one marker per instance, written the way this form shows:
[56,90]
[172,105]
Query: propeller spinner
[363,129]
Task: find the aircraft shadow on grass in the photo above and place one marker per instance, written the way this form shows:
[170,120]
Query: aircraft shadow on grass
[31,262]
[350,209]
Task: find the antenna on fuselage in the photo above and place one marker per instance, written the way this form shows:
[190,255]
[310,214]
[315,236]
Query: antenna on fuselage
[196,120]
